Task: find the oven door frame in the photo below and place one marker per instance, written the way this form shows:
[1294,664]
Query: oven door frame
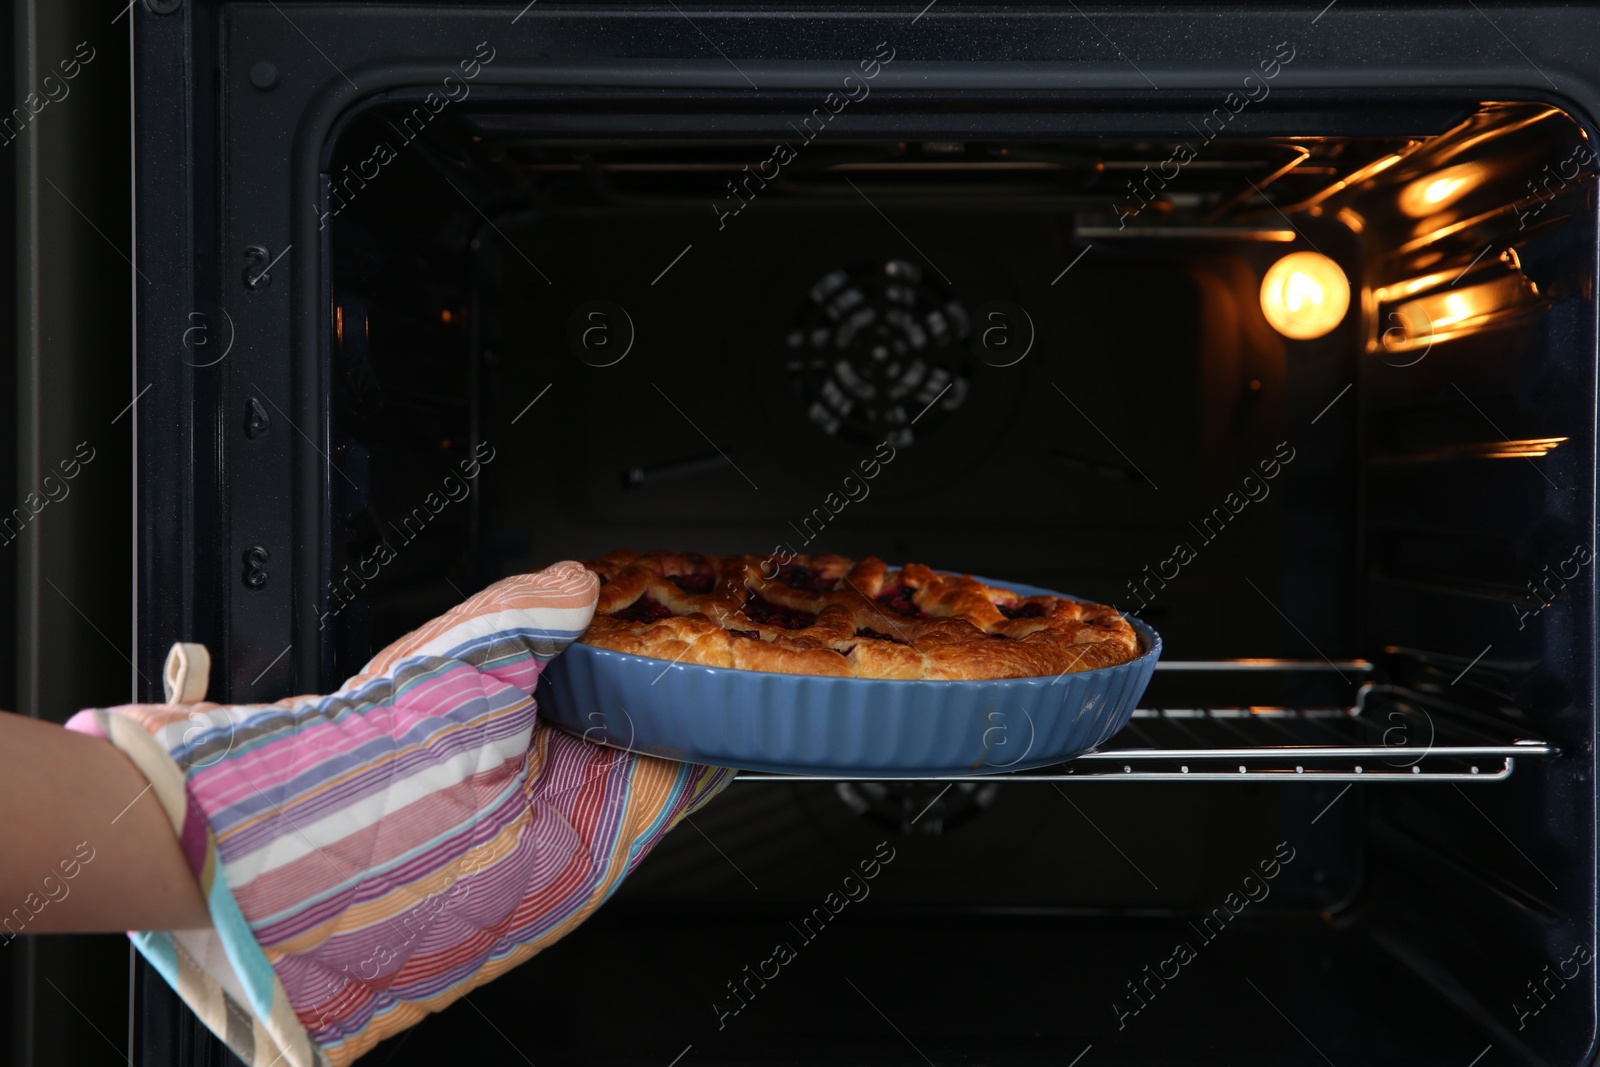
[235,109]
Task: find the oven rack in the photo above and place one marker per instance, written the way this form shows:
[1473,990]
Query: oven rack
[1387,734]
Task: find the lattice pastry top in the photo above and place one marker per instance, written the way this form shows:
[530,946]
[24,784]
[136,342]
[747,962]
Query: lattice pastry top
[825,614]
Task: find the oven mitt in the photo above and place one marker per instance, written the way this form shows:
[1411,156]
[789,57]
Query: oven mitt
[370,856]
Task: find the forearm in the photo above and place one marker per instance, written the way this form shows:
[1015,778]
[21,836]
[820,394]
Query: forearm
[85,844]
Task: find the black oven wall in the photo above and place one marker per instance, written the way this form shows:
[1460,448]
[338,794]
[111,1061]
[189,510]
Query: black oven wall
[66,550]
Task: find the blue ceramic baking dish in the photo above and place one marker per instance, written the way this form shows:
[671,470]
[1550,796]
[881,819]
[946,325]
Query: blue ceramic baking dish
[805,724]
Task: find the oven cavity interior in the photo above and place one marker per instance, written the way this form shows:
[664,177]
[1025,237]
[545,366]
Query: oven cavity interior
[1313,395]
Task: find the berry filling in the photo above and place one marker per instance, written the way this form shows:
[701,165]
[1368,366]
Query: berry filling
[863,632]
[899,600]
[797,577]
[1022,611]
[767,613]
[752,634]
[694,584]
[645,609]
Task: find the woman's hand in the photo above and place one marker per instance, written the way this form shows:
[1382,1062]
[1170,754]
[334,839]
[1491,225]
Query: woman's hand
[87,847]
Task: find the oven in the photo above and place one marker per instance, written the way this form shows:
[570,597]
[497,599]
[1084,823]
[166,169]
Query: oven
[660,276]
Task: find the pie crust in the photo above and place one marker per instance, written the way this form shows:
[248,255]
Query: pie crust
[828,615]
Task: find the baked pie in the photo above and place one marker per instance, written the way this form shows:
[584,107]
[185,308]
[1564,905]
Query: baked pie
[828,615]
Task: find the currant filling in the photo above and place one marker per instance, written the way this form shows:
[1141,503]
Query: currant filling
[694,584]
[1023,611]
[797,577]
[899,600]
[767,613]
[864,632]
[645,609]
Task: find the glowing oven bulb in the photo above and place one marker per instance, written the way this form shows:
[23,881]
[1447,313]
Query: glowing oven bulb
[1441,189]
[1304,295]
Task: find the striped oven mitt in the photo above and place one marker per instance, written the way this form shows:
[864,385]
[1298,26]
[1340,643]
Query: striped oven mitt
[370,856]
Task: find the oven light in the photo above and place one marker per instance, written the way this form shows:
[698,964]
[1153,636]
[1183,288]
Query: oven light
[1304,295]
[1437,191]
[1441,191]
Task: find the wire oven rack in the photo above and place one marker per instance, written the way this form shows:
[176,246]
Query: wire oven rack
[1385,733]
